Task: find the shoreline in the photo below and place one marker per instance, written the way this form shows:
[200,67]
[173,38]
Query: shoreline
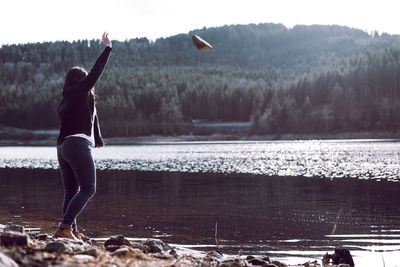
[19,247]
[50,139]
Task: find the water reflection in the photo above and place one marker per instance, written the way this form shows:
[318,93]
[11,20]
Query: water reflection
[282,216]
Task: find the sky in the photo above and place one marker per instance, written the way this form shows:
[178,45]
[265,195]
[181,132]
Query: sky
[26,21]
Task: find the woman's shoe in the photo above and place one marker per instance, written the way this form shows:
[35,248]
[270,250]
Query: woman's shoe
[65,232]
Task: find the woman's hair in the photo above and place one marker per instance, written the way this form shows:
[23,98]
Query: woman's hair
[74,75]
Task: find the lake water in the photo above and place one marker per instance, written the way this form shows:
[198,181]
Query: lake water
[293,200]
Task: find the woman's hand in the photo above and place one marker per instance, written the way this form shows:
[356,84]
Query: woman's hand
[105,39]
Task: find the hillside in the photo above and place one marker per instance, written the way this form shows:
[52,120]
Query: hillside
[264,73]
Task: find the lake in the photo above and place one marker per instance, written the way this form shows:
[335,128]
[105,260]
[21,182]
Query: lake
[292,200]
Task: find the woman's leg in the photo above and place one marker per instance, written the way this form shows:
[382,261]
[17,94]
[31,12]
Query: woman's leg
[77,153]
[70,184]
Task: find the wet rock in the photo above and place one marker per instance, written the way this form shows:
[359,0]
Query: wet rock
[155,245]
[14,228]
[6,261]
[118,240]
[343,265]
[13,239]
[58,247]
[341,256]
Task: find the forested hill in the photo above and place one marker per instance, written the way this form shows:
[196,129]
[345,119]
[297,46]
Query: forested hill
[266,73]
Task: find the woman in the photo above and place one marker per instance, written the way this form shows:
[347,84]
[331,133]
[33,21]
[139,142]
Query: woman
[79,132]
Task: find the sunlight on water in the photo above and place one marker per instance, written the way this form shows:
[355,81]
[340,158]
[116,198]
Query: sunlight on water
[331,159]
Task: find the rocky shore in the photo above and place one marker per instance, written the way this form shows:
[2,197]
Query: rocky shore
[21,248]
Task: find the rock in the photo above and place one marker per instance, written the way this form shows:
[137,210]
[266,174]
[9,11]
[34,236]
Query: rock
[266,258]
[2,226]
[41,237]
[13,239]
[256,261]
[14,228]
[230,263]
[173,253]
[57,246]
[342,255]
[91,251]
[155,245]
[215,254]
[138,246]
[82,257]
[150,264]
[121,252]
[112,248]
[126,251]
[6,261]
[118,240]
[343,265]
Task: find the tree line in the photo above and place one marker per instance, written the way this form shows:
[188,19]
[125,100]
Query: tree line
[305,79]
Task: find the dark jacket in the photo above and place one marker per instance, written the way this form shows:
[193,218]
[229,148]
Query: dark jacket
[77,104]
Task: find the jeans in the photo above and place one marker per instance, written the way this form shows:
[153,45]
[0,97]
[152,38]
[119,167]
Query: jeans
[78,174]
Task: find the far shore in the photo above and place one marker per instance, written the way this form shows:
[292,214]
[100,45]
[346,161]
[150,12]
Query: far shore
[35,138]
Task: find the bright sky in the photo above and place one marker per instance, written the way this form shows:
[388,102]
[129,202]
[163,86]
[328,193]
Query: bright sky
[25,21]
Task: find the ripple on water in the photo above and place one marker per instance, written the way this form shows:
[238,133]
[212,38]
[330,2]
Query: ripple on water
[330,159]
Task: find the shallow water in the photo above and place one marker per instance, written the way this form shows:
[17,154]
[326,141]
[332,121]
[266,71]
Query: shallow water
[289,217]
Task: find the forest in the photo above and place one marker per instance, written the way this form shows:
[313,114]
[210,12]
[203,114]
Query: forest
[306,79]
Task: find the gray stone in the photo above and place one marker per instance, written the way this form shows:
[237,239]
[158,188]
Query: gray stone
[92,251]
[138,246]
[14,228]
[215,254]
[155,245]
[41,237]
[13,239]
[230,263]
[174,253]
[57,246]
[112,248]
[121,252]
[6,261]
[118,240]
[256,261]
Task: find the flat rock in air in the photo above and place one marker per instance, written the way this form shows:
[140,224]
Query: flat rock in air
[200,43]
